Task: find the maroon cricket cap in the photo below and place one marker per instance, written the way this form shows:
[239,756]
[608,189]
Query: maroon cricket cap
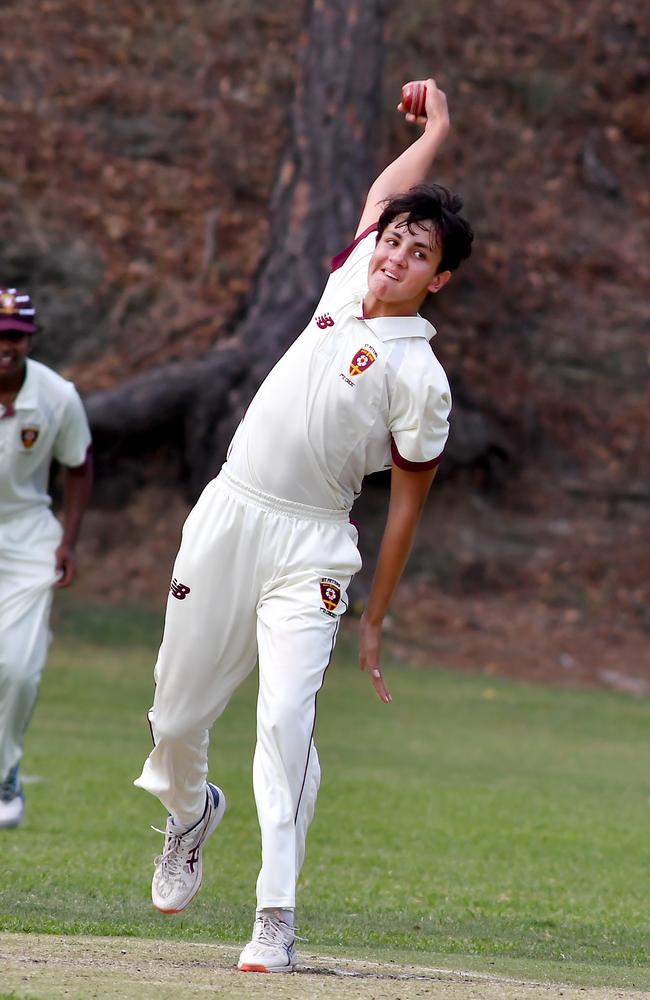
[17,311]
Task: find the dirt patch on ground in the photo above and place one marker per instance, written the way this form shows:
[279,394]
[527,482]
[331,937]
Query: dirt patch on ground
[43,967]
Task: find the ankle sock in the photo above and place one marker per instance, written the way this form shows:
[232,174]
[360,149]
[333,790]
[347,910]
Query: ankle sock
[285,915]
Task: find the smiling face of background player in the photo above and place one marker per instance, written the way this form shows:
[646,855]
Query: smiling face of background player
[14,348]
[404,269]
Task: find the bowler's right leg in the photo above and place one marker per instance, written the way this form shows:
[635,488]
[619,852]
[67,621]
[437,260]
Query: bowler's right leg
[208,648]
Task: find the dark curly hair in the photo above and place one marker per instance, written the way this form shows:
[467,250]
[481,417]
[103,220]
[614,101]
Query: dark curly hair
[433,203]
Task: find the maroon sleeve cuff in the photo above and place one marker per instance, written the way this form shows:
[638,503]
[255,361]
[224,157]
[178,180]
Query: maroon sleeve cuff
[403,463]
[88,461]
[341,257]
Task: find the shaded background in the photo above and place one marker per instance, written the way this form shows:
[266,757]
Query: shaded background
[139,148]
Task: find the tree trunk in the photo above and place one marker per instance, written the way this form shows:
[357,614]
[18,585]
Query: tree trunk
[328,165]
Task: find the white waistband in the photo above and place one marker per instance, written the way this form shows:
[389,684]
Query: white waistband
[266,501]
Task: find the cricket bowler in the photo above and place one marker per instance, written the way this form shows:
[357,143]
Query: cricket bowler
[268,552]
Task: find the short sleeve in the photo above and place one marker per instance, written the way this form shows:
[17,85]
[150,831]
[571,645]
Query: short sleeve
[73,438]
[418,419]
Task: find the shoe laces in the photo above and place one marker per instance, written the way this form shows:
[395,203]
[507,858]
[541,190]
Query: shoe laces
[271,931]
[172,858]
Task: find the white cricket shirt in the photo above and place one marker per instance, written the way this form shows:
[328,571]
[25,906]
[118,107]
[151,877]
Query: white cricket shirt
[46,421]
[350,396]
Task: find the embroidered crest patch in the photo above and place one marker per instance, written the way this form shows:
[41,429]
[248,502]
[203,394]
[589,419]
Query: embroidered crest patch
[362,360]
[8,303]
[330,592]
[28,436]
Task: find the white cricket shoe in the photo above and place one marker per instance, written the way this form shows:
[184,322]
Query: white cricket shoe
[11,811]
[12,801]
[272,947]
[179,869]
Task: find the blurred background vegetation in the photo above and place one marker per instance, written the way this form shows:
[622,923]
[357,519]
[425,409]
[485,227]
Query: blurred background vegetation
[139,149]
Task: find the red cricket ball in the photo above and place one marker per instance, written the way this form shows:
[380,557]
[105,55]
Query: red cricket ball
[414,96]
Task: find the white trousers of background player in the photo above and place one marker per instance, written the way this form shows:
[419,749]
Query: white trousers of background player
[27,547]
[253,566]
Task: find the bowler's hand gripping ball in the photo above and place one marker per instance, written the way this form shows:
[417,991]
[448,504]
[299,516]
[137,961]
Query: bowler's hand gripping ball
[414,98]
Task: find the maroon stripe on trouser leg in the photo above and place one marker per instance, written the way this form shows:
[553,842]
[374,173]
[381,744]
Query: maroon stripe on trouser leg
[313,728]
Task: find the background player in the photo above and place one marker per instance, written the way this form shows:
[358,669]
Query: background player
[41,418]
[268,552]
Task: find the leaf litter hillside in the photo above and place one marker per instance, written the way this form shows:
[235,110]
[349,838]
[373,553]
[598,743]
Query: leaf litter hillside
[137,158]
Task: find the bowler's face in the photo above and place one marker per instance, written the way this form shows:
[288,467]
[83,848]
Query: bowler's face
[404,266]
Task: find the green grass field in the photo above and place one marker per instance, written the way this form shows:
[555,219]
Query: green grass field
[479,824]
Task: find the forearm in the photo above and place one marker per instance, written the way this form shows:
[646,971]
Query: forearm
[408,493]
[413,166]
[395,547]
[77,484]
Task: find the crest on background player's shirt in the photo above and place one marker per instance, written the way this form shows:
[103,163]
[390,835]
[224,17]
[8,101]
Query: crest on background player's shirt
[28,436]
[330,592]
[362,360]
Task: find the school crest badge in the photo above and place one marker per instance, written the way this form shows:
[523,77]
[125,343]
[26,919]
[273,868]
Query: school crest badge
[28,436]
[330,592]
[8,304]
[362,360]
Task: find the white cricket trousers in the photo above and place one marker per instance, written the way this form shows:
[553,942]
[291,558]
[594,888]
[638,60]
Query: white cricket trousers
[27,575]
[256,578]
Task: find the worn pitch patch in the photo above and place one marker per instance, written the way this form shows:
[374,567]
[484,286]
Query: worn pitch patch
[49,967]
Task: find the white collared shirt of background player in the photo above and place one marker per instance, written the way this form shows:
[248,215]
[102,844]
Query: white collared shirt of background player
[49,407]
[319,424]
